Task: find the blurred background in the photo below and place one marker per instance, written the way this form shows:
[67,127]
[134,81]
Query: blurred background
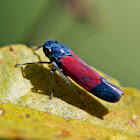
[105,34]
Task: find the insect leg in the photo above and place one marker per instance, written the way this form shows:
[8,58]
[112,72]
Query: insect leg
[37,62]
[52,82]
[42,62]
[67,81]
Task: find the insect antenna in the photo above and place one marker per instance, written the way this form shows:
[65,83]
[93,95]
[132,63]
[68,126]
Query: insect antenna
[38,47]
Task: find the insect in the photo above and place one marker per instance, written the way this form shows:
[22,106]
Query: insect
[68,63]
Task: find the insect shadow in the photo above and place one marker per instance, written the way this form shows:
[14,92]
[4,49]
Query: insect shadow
[40,78]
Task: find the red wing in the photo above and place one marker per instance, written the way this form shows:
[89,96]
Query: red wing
[74,55]
[83,74]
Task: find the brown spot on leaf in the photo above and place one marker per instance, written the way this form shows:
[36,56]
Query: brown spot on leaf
[14,56]
[60,135]
[132,123]
[133,120]
[27,115]
[20,116]
[65,131]
[2,62]
[11,49]
[1,111]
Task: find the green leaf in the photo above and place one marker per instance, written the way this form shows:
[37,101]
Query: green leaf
[29,113]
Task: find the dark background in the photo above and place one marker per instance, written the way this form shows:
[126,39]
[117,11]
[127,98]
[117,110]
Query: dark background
[105,34]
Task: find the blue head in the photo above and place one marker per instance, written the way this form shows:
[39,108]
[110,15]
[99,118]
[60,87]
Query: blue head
[54,50]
